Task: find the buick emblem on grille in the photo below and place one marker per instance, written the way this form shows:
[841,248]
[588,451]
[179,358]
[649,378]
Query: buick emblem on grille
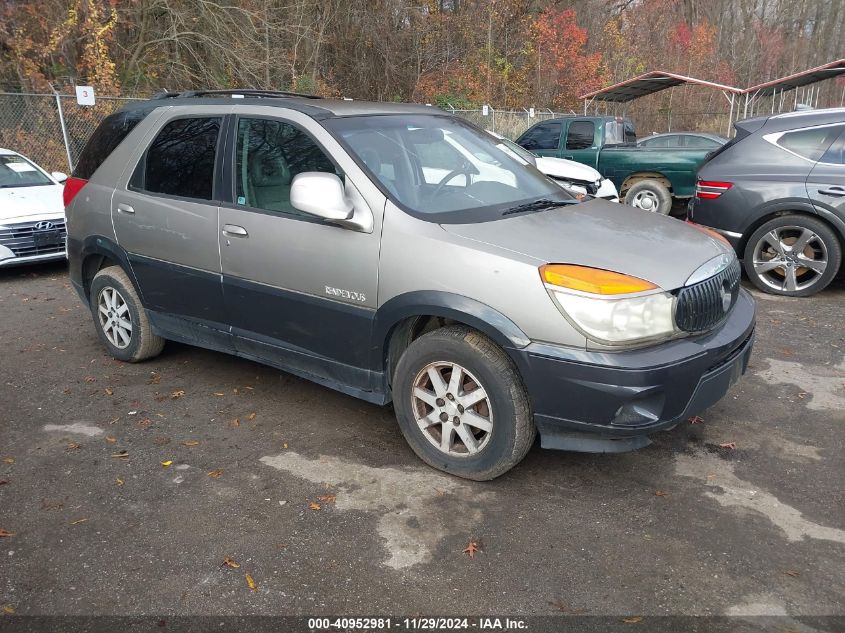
[44,226]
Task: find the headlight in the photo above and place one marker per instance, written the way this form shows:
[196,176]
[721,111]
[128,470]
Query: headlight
[609,307]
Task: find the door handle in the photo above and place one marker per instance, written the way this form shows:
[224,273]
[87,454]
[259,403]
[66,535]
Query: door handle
[233,230]
[836,190]
[125,208]
[569,157]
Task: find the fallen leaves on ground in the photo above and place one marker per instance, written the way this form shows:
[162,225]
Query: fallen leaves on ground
[5,533]
[177,394]
[314,506]
[792,573]
[154,378]
[145,423]
[78,521]
[109,391]
[11,460]
[472,549]
[633,620]
[233,424]
[661,493]
[219,393]
[730,445]
[168,463]
[251,416]
[215,473]
[327,498]
[250,582]
[111,439]
[696,419]
[119,481]
[190,443]
[557,604]
[8,609]
[231,562]
[72,446]
[120,455]
[89,379]
[285,445]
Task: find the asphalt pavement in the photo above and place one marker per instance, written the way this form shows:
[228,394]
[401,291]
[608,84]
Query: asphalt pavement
[202,484]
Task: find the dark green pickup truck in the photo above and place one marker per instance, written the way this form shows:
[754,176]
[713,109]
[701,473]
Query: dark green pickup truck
[647,178]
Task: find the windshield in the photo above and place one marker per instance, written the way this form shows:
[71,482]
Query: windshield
[442,166]
[16,171]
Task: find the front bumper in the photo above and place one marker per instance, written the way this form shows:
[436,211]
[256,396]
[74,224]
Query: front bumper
[31,242]
[611,401]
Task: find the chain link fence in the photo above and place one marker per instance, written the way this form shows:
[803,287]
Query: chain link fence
[509,123]
[51,129]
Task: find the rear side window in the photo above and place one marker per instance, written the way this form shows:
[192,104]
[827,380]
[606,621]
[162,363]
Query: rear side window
[661,141]
[580,135]
[105,140]
[543,136]
[811,143]
[180,161]
[835,154]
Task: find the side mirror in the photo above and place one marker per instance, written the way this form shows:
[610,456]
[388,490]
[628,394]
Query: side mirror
[320,194]
[59,176]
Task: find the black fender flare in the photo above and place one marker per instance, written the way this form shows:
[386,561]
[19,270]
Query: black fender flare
[447,305]
[99,245]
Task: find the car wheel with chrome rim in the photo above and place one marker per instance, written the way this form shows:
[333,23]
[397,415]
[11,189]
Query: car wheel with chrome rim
[461,404]
[792,255]
[121,320]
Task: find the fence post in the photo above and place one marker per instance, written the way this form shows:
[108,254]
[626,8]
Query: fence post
[64,128]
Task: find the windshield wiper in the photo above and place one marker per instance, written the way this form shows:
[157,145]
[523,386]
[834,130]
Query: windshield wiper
[536,205]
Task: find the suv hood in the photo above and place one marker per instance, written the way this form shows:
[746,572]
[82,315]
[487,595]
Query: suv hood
[569,169]
[19,203]
[602,234]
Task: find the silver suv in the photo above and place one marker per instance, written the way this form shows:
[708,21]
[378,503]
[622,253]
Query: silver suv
[397,253]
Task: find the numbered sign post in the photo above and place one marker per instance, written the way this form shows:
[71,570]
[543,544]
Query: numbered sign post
[85,95]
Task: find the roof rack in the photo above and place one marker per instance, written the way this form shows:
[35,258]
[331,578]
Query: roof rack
[246,92]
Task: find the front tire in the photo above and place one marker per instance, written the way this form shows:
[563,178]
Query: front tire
[792,255]
[120,319]
[461,404]
[649,195]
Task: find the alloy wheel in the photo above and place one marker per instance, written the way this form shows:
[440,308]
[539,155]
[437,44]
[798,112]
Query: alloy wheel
[790,258]
[115,318]
[452,409]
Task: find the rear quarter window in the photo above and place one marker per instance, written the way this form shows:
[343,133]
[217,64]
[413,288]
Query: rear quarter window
[105,140]
[809,143]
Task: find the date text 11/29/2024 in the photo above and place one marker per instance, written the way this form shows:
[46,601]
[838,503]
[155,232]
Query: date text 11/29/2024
[417,624]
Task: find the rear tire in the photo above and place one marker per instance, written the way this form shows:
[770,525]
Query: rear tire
[649,195]
[120,319]
[775,265]
[479,404]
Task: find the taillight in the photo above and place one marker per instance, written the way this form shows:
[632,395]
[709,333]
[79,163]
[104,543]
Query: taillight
[709,189]
[72,187]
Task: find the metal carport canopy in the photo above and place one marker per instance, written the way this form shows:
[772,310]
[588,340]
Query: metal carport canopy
[804,78]
[649,83]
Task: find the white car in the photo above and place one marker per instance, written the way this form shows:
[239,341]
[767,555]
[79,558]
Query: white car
[32,213]
[572,176]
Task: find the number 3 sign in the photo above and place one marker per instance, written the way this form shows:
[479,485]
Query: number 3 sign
[85,95]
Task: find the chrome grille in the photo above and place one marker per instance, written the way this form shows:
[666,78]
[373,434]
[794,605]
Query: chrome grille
[704,305]
[26,240]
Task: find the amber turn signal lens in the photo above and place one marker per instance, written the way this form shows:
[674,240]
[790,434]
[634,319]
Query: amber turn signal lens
[593,280]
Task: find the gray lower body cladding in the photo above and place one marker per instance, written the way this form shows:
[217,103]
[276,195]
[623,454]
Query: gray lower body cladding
[610,402]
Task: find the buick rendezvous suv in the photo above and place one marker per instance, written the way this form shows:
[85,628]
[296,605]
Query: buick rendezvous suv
[397,254]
